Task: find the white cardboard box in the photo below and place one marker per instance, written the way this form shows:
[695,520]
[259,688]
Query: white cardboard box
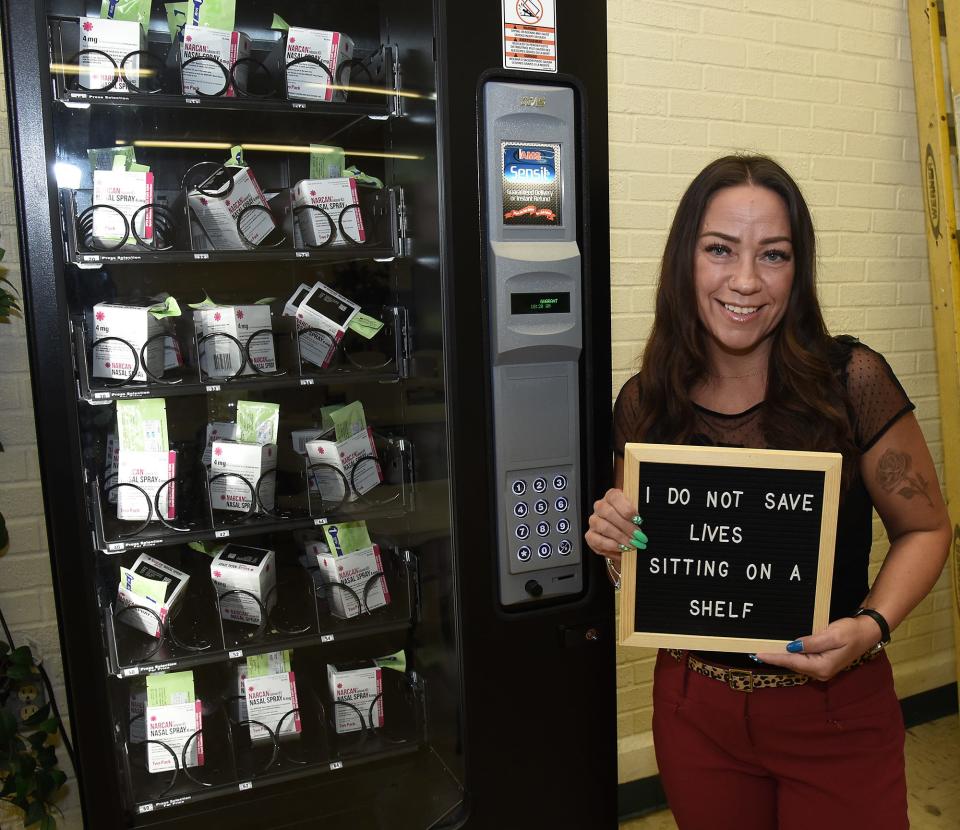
[226,48]
[242,568]
[253,462]
[131,324]
[333,196]
[308,82]
[116,38]
[173,725]
[343,456]
[151,568]
[219,355]
[323,309]
[149,471]
[127,191]
[219,208]
[354,570]
[218,431]
[357,684]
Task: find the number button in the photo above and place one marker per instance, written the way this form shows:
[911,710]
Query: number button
[522,531]
[524,553]
[545,550]
[563,526]
[543,528]
[564,547]
[540,506]
[561,505]
[520,509]
[540,484]
[519,487]
[559,482]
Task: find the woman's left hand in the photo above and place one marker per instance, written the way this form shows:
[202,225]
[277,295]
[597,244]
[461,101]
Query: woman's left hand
[823,655]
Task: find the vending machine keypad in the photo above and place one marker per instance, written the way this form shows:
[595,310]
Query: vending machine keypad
[542,530]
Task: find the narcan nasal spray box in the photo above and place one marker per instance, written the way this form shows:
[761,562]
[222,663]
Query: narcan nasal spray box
[360,571]
[358,684]
[219,355]
[338,199]
[127,191]
[218,208]
[116,38]
[308,82]
[133,325]
[224,47]
[251,461]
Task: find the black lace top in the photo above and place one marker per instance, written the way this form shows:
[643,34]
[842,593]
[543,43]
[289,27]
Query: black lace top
[877,400]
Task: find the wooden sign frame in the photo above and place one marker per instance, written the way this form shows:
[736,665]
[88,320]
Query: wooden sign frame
[830,464]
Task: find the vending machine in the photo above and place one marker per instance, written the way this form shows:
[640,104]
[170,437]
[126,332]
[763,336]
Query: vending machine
[317,297]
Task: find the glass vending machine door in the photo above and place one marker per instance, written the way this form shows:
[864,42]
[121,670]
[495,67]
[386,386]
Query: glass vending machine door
[244,200]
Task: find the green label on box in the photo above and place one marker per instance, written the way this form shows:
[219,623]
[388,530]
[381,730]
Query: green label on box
[346,537]
[170,689]
[348,421]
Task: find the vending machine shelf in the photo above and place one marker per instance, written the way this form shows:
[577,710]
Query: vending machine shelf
[366,85]
[101,234]
[233,762]
[381,358]
[298,504]
[302,614]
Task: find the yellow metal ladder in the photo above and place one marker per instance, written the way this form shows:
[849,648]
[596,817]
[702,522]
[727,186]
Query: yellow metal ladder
[935,44]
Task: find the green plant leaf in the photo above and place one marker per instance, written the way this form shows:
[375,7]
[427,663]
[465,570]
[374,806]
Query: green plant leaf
[8,726]
[37,740]
[38,717]
[21,656]
[47,757]
[59,777]
[35,813]
[48,823]
[28,765]
[18,672]
[50,725]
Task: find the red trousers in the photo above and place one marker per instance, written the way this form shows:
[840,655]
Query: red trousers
[823,756]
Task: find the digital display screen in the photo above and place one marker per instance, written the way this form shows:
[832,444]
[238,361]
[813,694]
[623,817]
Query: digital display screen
[532,192]
[550,302]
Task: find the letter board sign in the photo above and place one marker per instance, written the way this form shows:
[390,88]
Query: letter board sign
[741,544]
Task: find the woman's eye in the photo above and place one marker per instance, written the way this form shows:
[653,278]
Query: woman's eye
[776,256]
[716,249]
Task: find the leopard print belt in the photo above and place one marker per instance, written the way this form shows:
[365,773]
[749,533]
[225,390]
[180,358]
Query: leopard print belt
[746,680]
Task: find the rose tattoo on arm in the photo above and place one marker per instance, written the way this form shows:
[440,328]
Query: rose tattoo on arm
[895,476]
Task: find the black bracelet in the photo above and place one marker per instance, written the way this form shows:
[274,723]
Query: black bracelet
[880,621]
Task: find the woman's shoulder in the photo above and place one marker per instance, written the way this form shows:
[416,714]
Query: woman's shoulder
[858,364]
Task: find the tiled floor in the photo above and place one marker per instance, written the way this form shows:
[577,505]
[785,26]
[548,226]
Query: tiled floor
[933,779]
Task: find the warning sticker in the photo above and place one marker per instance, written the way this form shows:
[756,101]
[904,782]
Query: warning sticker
[530,35]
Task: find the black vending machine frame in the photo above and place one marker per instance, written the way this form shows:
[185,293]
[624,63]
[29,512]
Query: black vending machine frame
[538,702]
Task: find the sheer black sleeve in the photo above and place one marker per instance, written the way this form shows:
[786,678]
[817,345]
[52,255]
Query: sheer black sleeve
[626,415]
[877,398]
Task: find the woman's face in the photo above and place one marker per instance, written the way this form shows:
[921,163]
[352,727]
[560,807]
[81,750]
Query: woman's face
[743,268]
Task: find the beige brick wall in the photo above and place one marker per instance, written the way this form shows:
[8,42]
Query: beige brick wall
[26,593]
[826,87]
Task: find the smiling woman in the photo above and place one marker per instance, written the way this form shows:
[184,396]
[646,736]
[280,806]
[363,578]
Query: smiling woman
[739,356]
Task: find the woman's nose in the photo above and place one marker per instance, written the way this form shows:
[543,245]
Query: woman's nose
[744,279]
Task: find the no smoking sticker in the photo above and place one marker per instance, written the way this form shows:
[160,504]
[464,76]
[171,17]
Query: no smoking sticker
[530,35]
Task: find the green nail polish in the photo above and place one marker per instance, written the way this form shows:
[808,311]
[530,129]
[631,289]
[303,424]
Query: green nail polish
[640,536]
[637,520]
[638,545]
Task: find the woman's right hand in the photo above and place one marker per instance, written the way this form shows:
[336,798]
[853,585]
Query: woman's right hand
[614,522]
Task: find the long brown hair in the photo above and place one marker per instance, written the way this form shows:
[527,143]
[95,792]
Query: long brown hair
[806,404]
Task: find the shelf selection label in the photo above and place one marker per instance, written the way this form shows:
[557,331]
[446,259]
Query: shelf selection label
[530,35]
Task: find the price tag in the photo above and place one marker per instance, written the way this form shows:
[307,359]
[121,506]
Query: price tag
[318,522]
[213,388]
[233,655]
[336,765]
[299,106]
[303,255]
[201,256]
[132,672]
[145,808]
[327,638]
[192,100]
[246,785]
[102,395]
[116,547]
[222,534]
[306,381]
